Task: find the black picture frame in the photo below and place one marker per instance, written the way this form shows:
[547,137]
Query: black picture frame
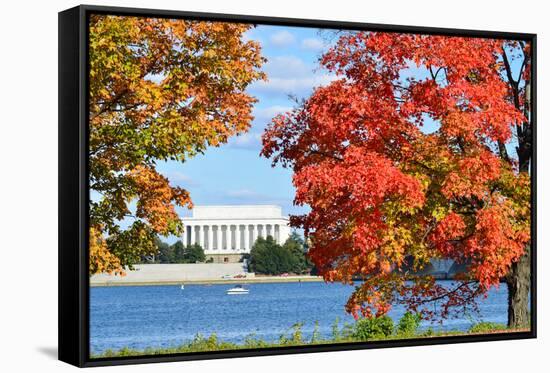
[73,185]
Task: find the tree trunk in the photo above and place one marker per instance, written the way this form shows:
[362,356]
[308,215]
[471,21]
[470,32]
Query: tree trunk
[519,283]
[519,278]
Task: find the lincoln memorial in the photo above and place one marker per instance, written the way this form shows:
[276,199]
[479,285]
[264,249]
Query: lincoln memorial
[227,232]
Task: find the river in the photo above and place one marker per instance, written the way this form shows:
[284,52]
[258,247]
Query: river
[164,316]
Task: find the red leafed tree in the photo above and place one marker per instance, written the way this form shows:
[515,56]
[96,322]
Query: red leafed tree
[420,149]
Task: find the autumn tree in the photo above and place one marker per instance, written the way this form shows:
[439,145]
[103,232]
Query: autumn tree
[159,89]
[420,149]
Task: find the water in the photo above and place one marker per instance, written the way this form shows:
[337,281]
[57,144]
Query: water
[165,316]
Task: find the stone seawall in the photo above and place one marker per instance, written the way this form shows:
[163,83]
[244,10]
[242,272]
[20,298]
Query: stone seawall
[173,273]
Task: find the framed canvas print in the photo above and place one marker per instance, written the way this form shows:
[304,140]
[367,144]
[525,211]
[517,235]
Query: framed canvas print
[233,186]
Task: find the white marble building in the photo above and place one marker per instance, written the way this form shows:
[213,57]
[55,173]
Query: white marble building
[232,230]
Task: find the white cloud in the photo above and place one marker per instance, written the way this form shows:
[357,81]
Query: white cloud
[312,44]
[299,86]
[249,140]
[282,38]
[290,75]
[252,140]
[266,114]
[179,178]
[284,66]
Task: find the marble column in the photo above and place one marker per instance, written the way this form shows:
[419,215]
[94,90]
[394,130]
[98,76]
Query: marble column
[261,230]
[238,237]
[247,238]
[192,240]
[199,238]
[219,237]
[228,237]
[254,234]
[210,238]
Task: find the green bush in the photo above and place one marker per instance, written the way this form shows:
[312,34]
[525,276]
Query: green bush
[408,324]
[427,333]
[373,328]
[484,327]
[269,258]
[178,253]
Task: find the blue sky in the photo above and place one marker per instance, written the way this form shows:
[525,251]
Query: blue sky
[234,173]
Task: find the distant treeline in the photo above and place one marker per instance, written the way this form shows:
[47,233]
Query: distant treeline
[266,257]
[269,258]
[177,253]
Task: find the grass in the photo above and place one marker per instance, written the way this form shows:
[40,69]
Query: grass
[362,331]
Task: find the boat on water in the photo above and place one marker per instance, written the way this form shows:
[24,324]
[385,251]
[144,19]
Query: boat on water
[182,287]
[237,290]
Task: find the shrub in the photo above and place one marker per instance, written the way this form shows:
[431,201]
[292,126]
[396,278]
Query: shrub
[373,328]
[427,333]
[484,327]
[408,324]
[269,258]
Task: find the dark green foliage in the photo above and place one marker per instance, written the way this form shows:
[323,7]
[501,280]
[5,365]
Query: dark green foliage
[178,253]
[296,246]
[269,258]
[193,254]
[128,245]
[378,327]
[165,252]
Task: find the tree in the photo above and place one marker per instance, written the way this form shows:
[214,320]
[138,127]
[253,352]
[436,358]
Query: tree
[179,252]
[159,89]
[194,254]
[420,149]
[165,251]
[296,247]
[268,257]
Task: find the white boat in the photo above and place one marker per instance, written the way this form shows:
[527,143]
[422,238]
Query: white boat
[182,287]
[237,290]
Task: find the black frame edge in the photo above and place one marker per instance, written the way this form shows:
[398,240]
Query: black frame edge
[70,193]
[534,127]
[304,22]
